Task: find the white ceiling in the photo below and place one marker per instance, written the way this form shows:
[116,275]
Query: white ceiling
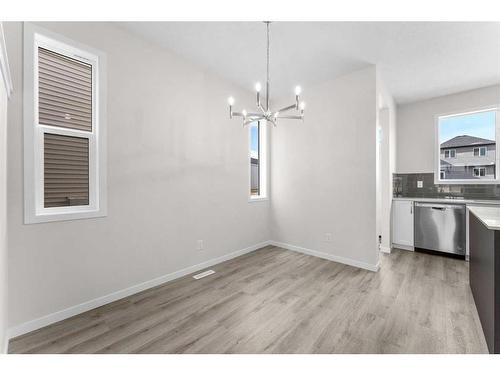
[418,60]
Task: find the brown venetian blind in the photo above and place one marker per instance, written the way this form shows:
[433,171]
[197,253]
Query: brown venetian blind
[66,170]
[64,91]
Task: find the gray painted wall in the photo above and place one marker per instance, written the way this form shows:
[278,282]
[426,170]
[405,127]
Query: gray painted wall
[165,116]
[415,126]
[323,170]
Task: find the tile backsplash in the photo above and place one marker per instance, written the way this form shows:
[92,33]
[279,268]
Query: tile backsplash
[405,185]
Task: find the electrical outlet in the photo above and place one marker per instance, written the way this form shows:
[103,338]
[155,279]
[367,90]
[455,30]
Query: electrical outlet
[328,237]
[199,245]
[420,184]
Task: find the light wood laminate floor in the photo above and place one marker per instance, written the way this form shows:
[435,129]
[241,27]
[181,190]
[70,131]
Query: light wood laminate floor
[278,301]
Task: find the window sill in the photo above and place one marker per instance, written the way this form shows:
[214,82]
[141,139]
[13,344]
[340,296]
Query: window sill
[257,199]
[466,182]
[53,217]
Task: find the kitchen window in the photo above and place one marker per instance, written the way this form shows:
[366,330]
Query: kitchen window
[467,147]
[258,160]
[64,129]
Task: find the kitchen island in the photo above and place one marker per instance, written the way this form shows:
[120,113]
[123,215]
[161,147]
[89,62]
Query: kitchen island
[484,270]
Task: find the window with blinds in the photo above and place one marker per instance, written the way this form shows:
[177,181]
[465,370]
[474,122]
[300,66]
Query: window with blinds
[64,101]
[66,170]
[64,128]
[64,91]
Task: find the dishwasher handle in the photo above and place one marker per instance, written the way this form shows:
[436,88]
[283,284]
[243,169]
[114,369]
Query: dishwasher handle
[437,206]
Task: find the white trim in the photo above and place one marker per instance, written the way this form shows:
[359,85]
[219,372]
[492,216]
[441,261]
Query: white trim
[437,147]
[6,339]
[34,211]
[257,198]
[4,64]
[403,247]
[334,258]
[46,320]
[386,250]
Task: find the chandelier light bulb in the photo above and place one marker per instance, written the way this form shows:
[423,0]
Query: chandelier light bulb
[230,101]
[302,106]
[244,113]
[258,87]
[298,90]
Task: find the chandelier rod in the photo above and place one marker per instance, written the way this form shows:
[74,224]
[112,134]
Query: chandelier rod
[267,67]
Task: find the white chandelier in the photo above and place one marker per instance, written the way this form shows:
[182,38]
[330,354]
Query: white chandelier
[266,113]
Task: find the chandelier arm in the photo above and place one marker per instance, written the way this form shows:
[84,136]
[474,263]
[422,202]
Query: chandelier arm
[290,107]
[248,115]
[301,117]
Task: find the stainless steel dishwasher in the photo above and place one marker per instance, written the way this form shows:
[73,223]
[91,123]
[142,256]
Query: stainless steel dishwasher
[440,227]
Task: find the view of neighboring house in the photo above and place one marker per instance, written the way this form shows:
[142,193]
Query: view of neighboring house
[254,159]
[467,157]
[254,175]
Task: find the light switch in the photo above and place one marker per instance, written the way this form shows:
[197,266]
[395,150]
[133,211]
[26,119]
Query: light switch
[420,184]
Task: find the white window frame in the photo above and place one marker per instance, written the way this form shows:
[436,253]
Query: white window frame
[34,209]
[263,163]
[437,149]
[479,171]
[479,151]
[449,153]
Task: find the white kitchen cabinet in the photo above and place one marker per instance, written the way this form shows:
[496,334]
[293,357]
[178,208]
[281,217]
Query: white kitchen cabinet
[402,224]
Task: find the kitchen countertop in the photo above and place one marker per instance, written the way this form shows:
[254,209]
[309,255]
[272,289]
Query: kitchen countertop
[451,200]
[489,216]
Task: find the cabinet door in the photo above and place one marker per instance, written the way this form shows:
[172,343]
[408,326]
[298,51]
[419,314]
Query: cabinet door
[402,223]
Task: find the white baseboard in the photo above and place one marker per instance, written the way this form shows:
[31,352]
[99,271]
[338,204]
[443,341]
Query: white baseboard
[335,258]
[100,301]
[385,249]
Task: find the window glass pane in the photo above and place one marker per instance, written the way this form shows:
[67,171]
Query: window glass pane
[472,137]
[66,171]
[64,91]
[254,159]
